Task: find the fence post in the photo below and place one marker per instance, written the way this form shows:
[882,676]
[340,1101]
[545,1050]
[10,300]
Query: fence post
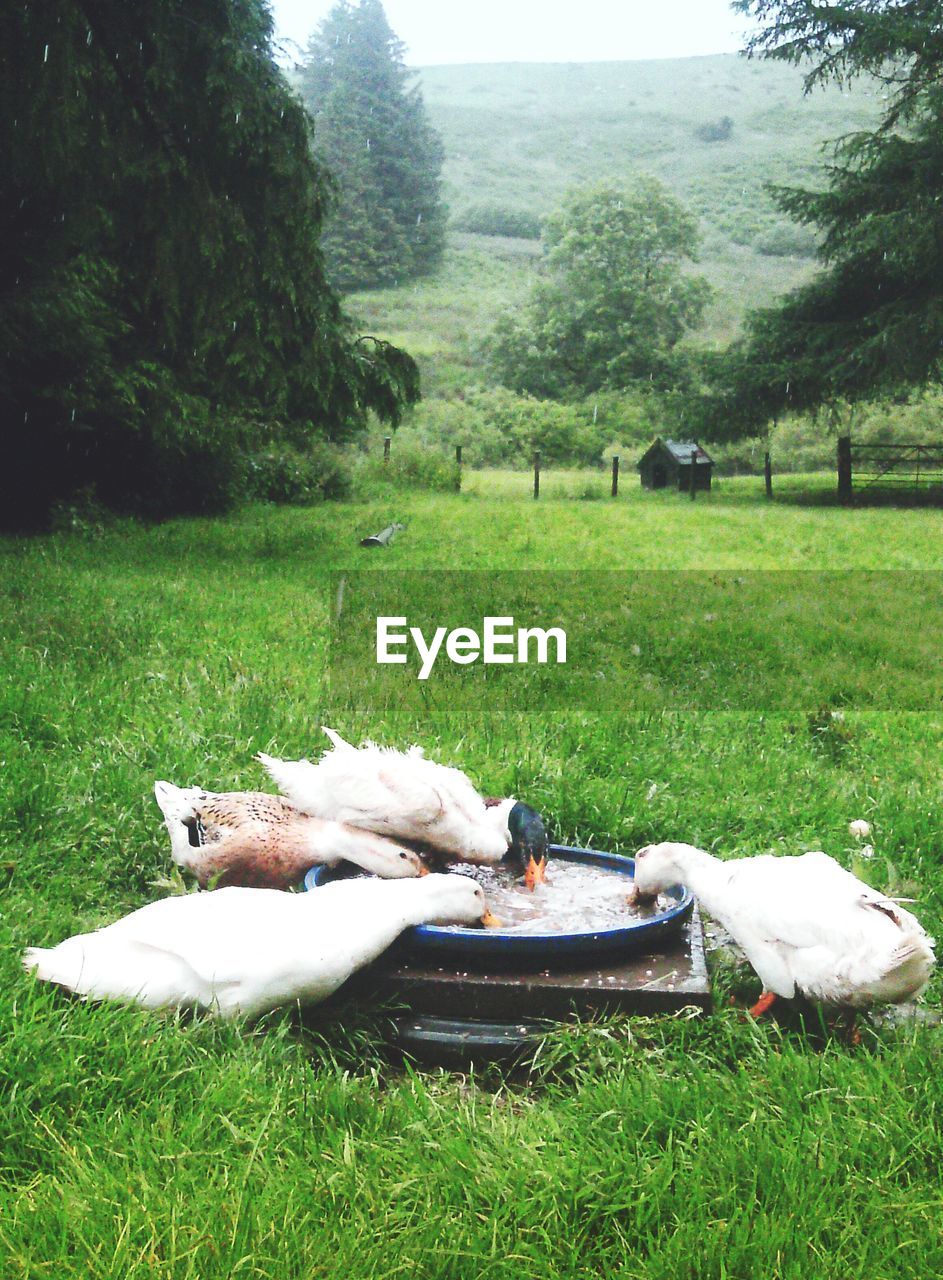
[693,474]
[537,473]
[387,441]
[768,472]
[844,469]
[615,476]
[458,463]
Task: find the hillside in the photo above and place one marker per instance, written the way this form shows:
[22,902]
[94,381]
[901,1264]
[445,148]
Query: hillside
[518,135]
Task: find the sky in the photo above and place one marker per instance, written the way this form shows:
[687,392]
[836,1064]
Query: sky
[449,31]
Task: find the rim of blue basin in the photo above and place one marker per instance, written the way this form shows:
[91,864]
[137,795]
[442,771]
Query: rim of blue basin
[508,945]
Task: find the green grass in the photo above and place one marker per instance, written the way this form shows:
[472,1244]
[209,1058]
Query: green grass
[138,1146]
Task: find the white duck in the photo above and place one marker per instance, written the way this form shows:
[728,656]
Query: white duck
[260,841]
[805,924]
[245,951]
[401,794]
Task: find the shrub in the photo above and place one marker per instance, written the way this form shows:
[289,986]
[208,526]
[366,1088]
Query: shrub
[499,428]
[786,240]
[287,475]
[411,466]
[715,130]
[496,220]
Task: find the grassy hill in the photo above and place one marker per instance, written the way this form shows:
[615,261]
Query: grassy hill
[518,135]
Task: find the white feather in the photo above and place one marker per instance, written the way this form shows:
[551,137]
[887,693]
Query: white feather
[395,793]
[804,923]
[245,951]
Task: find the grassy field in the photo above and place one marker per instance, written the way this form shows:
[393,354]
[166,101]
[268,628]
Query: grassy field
[518,136]
[138,1146]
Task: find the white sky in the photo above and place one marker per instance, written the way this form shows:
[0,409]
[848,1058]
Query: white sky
[441,31]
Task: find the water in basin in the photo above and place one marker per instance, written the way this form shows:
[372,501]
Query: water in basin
[575,898]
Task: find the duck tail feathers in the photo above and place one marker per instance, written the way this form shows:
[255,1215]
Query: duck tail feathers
[181,809]
[293,779]
[337,741]
[43,961]
[913,960]
[899,975]
[176,803]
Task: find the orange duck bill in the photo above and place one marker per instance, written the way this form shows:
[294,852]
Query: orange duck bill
[535,872]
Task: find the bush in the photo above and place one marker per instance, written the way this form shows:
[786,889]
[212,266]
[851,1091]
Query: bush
[500,428]
[411,466]
[495,220]
[287,475]
[715,130]
[181,458]
[786,240]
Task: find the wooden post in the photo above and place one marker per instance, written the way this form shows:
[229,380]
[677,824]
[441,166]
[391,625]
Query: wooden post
[387,441]
[615,476]
[768,472]
[844,469]
[537,473]
[458,463]
[693,474]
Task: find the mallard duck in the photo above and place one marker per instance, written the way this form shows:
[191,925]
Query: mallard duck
[260,841]
[245,951]
[807,926]
[404,795]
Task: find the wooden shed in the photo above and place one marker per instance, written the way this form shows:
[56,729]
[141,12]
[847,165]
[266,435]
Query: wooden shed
[669,464]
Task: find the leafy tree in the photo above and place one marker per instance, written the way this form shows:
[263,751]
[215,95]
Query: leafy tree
[616,301]
[871,322]
[373,135]
[160,274]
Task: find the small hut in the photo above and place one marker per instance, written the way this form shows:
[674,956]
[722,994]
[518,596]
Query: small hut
[669,464]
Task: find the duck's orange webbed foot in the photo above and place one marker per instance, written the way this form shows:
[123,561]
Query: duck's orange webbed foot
[765,1002]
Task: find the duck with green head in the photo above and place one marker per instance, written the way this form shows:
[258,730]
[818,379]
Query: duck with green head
[402,795]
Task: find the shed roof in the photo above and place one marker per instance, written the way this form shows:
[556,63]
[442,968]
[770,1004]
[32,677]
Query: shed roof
[680,450]
[683,449]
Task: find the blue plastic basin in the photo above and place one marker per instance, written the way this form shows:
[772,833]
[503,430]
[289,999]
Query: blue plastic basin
[493,944]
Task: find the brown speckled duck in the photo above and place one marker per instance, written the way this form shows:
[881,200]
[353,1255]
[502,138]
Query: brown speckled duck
[261,841]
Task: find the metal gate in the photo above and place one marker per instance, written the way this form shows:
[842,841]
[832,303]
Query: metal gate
[864,467]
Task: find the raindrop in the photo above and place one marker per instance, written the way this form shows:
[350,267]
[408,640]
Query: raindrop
[238,114]
[88,38]
[368,144]
[73,415]
[26,416]
[46,53]
[234,326]
[419,220]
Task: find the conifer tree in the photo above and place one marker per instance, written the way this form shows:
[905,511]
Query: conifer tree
[871,322]
[161,281]
[373,135]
